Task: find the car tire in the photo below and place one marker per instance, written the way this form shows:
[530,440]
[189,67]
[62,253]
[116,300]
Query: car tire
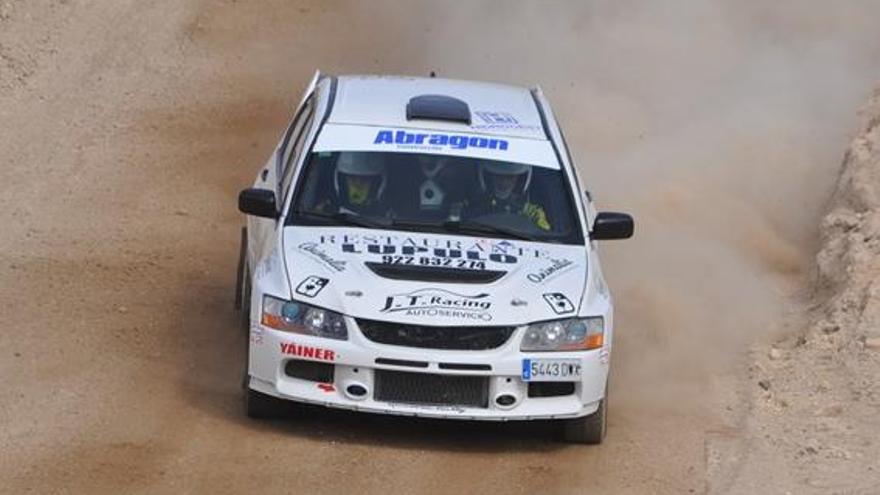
[258,405]
[589,429]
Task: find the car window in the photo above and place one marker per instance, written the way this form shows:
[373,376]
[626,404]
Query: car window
[294,142]
[574,170]
[436,193]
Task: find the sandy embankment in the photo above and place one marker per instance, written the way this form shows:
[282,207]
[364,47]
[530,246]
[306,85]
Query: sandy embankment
[814,419]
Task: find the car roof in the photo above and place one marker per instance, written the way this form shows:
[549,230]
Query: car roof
[495,109]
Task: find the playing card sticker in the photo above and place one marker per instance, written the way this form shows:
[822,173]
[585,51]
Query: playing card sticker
[561,305]
[311,286]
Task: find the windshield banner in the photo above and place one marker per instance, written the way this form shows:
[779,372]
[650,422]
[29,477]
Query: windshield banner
[341,137]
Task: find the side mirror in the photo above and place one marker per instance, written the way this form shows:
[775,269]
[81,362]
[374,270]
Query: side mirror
[610,225]
[258,202]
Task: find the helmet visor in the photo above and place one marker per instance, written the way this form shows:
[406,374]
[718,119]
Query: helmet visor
[361,189]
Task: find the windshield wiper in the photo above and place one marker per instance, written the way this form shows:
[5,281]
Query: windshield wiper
[472,227]
[343,218]
[417,224]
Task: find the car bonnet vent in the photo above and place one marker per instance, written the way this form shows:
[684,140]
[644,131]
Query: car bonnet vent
[434,273]
[438,107]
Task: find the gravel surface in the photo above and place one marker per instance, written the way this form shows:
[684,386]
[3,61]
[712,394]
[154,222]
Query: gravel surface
[128,128]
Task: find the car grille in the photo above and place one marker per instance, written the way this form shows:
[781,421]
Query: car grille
[426,388]
[453,338]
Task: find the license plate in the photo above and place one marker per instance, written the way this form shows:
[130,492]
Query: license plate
[551,370]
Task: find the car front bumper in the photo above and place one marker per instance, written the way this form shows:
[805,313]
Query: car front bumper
[361,362]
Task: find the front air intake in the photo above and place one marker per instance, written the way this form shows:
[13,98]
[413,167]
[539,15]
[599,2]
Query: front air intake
[309,370]
[427,337]
[550,389]
[435,274]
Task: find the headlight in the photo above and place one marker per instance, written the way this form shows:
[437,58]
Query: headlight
[295,317]
[575,334]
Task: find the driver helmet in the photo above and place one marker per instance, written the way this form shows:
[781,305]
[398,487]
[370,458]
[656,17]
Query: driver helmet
[432,165]
[360,178]
[505,180]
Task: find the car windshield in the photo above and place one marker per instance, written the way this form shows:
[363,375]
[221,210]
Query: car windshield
[436,193]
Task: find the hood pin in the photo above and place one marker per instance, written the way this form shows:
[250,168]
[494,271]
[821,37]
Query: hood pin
[518,302]
[354,293]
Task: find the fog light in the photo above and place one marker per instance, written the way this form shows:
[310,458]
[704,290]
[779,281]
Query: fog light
[356,391]
[505,400]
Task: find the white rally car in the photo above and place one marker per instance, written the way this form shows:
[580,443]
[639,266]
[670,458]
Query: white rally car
[424,247]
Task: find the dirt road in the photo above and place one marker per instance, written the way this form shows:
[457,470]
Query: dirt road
[127,129]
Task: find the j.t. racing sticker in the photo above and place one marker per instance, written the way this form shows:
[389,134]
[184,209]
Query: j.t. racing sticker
[559,302]
[311,286]
[440,302]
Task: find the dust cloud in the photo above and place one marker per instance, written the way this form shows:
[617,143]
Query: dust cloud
[719,125]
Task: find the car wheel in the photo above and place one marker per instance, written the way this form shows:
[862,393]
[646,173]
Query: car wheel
[258,405]
[589,429]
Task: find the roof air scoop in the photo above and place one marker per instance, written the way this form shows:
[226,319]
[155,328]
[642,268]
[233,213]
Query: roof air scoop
[438,107]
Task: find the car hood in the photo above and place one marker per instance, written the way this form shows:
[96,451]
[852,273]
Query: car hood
[433,279]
